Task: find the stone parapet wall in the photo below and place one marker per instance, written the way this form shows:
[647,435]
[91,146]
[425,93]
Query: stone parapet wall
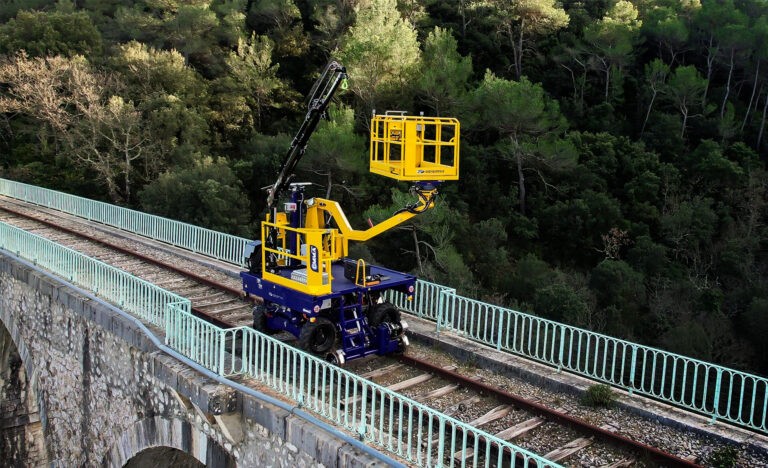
[105,392]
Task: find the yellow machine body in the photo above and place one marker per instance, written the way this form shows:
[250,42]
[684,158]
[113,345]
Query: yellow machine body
[423,150]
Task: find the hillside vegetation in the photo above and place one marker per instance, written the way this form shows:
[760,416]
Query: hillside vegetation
[613,171]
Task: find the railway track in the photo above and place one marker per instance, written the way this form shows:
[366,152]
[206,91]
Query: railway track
[218,302]
[551,432]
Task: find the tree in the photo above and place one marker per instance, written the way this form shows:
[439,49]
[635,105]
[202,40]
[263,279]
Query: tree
[442,81]
[560,302]
[192,27]
[336,152]
[712,21]
[251,87]
[755,320]
[668,24]
[93,125]
[191,30]
[102,12]
[733,38]
[649,258]
[656,74]
[207,195]
[530,274]
[148,72]
[172,97]
[686,88]
[521,21]
[612,39]
[281,19]
[620,290]
[432,247]
[572,229]
[42,33]
[9,8]
[259,165]
[688,228]
[759,50]
[528,118]
[489,259]
[566,57]
[711,172]
[380,51]
[333,19]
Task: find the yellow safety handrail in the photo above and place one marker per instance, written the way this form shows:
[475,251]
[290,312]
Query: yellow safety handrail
[360,262]
[318,268]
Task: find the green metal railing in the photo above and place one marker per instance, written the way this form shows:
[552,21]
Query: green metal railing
[213,244]
[382,418]
[707,388]
[134,295]
[719,392]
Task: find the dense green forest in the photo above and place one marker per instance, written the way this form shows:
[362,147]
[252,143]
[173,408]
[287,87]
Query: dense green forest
[613,171]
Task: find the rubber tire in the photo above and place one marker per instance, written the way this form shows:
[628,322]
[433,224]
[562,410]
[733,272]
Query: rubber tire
[384,312]
[260,320]
[318,337]
[334,359]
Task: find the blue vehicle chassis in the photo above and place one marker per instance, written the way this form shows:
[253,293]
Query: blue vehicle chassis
[347,307]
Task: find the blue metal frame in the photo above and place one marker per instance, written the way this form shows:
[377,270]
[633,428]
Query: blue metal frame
[289,309]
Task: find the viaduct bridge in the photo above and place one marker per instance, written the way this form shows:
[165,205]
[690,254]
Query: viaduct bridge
[100,368]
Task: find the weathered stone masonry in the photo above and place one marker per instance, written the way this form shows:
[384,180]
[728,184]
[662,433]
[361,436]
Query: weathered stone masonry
[97,391]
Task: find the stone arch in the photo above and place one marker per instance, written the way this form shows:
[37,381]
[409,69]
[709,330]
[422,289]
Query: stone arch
[163,457]
[157,431]
[22,424]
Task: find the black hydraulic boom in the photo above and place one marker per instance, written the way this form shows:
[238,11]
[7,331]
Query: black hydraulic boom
[333,76]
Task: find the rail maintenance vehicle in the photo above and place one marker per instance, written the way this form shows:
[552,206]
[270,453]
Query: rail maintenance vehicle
[335,305]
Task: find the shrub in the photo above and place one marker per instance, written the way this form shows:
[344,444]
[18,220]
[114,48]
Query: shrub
[724,457]
[599,395]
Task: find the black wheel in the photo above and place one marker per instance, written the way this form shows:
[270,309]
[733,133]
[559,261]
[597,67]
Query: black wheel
[336,358]
[260,319]
[318,337]
[384,312]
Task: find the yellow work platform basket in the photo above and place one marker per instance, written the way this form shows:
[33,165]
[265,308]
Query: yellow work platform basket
[415,148]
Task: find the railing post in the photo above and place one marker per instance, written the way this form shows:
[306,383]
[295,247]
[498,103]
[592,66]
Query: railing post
[417,293]
[362,429]
[222,345]
[632,370]
[302,373]
[501,330]
[716,403]
[562,348]
[441,439]
[440,309]
[168,324]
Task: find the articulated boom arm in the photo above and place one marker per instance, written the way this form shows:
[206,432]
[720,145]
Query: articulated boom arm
[320,96]
[318,207]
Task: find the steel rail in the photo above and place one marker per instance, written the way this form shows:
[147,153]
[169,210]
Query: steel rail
[145,258]
[723,394]
[646,451]
[295,410]
[297,375]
